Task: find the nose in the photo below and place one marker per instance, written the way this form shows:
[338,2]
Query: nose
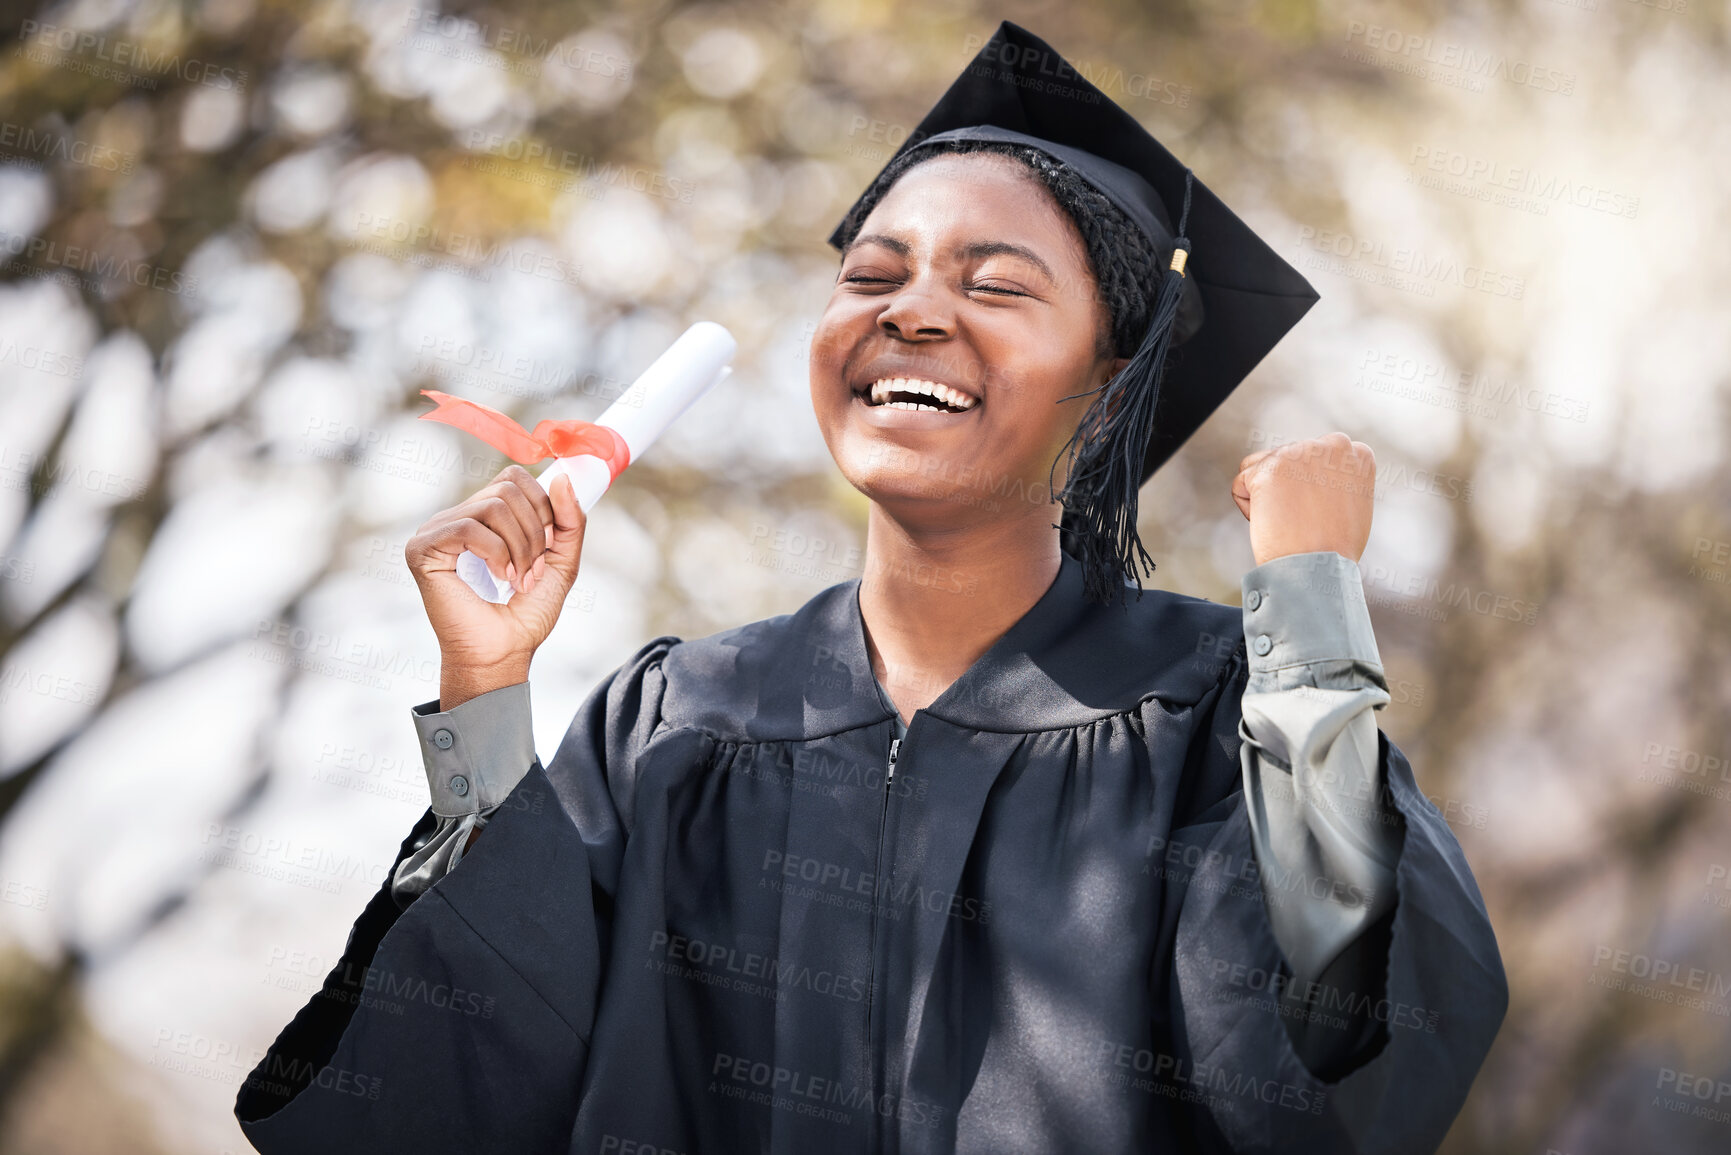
[915,313]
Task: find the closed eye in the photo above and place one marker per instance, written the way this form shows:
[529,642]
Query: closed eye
[996,289]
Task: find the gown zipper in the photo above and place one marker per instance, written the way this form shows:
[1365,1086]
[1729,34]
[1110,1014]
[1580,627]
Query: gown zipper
[877,890]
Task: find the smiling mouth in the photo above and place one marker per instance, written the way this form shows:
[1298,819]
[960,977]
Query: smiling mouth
[916,393]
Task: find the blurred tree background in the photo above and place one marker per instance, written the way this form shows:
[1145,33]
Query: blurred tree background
[241,235]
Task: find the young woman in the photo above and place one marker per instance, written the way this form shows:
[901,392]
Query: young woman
[961,855]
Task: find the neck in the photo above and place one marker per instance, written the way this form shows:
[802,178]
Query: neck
[935,599]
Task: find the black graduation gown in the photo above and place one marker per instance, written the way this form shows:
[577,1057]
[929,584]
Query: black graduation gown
[718,923]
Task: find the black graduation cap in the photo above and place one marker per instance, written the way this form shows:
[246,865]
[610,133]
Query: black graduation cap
[1224,302]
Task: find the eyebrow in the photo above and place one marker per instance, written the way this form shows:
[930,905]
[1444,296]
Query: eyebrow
[895,245]
[972,251]
[1004,248]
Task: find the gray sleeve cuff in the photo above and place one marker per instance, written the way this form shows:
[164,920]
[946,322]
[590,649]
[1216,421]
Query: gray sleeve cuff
[1306,623]
[477,752]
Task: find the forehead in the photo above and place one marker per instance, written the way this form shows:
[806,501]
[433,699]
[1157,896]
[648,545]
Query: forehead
[960,197]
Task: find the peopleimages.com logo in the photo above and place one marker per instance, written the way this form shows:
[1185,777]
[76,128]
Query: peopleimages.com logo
[139,60]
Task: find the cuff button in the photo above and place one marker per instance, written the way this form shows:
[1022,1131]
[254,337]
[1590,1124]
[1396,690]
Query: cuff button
[442,739]
[460,786]
[1264,643]
[1254,601]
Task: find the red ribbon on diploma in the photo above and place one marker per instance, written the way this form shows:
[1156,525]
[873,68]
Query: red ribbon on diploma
[567,438]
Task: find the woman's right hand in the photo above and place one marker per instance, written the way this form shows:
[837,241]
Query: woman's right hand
[528,537]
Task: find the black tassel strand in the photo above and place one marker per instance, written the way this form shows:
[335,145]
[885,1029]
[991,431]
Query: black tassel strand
[1111,442]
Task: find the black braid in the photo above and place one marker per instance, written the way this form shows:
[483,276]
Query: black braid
[1128,273]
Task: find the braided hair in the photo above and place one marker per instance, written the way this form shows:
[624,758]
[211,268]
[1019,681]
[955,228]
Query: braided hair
[1127,272]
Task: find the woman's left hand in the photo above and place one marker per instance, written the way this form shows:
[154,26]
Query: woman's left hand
[1307,497]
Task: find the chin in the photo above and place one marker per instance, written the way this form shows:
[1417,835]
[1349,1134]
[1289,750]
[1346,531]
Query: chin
[958,496]
[874,471]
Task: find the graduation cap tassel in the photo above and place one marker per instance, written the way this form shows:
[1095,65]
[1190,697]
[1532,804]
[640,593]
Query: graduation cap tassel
[1107,449]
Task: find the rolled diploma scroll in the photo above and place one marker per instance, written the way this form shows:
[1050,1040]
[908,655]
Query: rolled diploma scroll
[691,367]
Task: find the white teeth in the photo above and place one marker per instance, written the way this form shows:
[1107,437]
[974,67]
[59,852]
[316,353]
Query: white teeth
[955,398]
